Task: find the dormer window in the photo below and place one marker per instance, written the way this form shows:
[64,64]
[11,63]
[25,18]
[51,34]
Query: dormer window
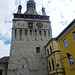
[30,25]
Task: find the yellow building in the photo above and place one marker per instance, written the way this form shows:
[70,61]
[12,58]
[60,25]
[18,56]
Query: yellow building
[66,40]
[55,65]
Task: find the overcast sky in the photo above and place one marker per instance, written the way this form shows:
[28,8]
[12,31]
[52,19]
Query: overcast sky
[61,13]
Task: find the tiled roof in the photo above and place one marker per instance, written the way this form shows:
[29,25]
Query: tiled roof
[4,60]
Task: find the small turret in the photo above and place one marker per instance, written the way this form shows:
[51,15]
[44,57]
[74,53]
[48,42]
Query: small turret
[43,11]
[19,9]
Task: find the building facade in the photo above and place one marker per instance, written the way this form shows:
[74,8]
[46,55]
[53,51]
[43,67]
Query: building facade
[4,65]
[66,40]
[30,32]
[55,64]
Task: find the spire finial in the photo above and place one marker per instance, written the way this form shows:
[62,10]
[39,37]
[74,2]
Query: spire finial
[19,8]
[43,10]
[31,3]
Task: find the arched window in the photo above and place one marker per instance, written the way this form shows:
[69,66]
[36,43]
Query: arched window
[20,34]
[40,33]
[35,33]
[50,49]
[15,33]
[49,33]
[49,66]
[30,32]
[48,52]
[44,33]
[53,64]
[25,32]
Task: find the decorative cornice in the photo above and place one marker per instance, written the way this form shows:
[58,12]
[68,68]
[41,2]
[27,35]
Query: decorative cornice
[53,53]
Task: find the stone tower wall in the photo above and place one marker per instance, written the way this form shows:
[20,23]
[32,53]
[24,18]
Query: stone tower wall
[23,56]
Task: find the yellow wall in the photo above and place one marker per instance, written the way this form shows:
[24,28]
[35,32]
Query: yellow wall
[70,70]
[55,55]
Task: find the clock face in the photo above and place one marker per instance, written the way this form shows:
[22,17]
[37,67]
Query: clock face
[39,25]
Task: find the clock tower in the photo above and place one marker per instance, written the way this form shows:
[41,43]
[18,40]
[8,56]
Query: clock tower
[30,33]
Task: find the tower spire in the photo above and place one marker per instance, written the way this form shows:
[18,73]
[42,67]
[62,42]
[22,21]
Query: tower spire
[31,3]
[31,7]
[43,10]
[19,8]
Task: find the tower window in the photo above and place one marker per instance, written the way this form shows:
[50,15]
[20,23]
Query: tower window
[50,49]
[35,33]
[23,24]
[15,33]
[30,25]
[65,43]
[20,34]
[40,33]
[41,38]
[23,66]
[1,71]
[30,32]
[53,64]
[35,38]
[48,52]
[37,49]
[73,35]
[45,33]
[49,33]
[49,66]
[25,32]
[70,59]
[18,23]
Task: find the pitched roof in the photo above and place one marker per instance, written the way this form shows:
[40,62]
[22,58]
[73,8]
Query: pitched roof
[64,31]
[49,42]
[4,60]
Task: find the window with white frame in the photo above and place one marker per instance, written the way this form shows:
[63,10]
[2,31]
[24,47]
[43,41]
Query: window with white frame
[73,35]
[65,43]
[70,59]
